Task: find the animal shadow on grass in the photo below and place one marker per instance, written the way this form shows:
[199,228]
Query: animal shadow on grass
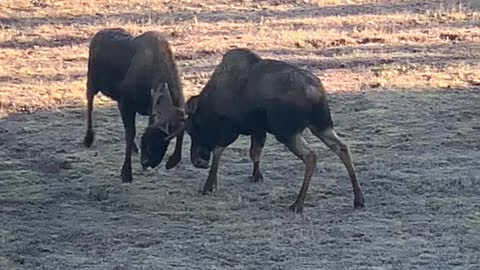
[55,193]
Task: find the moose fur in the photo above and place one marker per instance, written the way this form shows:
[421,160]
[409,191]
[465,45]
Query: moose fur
[129,70]
[248,95]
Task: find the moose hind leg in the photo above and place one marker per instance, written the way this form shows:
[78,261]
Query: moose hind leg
[298,146]
[256,147]
[331,139]
[89,135]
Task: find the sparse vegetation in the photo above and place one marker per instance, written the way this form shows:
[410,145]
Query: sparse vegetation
[44,43]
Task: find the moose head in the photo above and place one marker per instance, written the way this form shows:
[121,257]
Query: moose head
[164,123]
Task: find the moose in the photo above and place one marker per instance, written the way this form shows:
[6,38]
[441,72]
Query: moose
[133,71]
[248,95]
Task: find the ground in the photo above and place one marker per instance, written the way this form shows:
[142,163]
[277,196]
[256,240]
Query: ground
[403,79]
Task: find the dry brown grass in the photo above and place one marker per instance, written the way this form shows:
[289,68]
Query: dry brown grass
[351,45]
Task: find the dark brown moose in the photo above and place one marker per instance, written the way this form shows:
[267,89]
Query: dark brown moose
[252,96]
[130,70]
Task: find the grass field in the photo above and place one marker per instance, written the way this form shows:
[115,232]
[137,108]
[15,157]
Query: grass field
[403,79]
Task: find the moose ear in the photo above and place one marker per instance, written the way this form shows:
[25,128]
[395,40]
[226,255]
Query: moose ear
[156,94]
[161,99]
[191,106]
[154,90]
[165,87]
[159,90]
[178,117]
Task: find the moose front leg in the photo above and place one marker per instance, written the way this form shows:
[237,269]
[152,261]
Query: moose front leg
[211,182]
[175,158]
[256,147]
[89,135]
[128,118]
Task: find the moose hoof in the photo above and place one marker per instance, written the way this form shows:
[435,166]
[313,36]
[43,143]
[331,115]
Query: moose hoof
[208,190]
[358,202]
[126,176]
[88,140]
[172,162]
[256,178]
[296,208]
[127,179]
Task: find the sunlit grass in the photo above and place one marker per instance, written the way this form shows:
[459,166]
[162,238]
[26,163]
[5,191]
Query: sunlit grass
[44,44]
